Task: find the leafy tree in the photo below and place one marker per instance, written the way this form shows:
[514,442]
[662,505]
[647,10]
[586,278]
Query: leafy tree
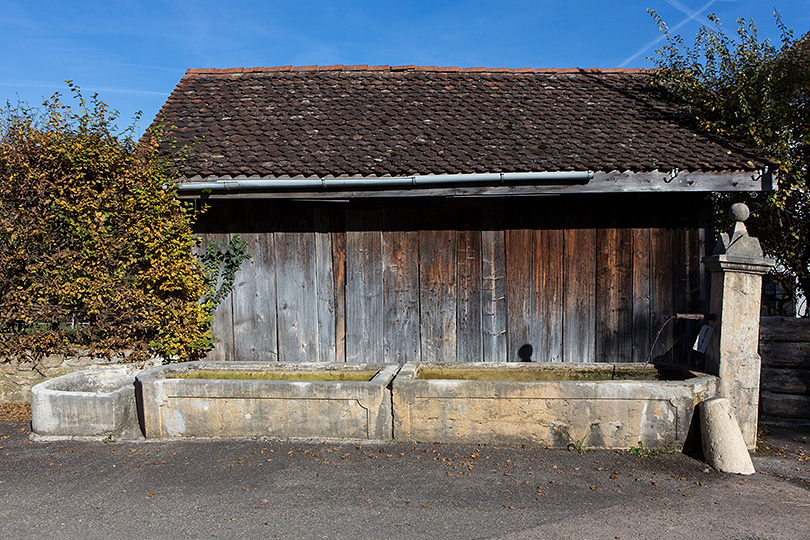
[95,248]
[758,93]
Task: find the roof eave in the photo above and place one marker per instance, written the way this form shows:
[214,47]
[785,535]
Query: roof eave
[483,184]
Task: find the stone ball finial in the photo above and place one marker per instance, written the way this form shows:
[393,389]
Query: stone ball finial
[739,212]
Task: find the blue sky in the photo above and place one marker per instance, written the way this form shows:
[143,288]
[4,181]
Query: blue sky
[133,53]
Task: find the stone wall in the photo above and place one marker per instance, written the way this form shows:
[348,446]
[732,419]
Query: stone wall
[784,344]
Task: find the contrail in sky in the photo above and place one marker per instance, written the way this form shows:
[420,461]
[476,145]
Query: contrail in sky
[690,16]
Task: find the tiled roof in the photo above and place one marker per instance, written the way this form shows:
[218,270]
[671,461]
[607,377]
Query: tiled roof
[803,46]
[403,120]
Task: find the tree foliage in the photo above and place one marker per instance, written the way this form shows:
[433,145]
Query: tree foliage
[758,93]
[95,248]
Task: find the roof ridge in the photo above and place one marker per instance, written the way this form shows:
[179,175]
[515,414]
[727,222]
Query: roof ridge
[388,68]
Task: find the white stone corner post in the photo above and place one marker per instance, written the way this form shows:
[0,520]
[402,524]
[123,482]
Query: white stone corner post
[737,266]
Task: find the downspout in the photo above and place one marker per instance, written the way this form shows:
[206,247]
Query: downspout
[436,180]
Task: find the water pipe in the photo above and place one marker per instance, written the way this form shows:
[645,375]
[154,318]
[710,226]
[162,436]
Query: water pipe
[679,316]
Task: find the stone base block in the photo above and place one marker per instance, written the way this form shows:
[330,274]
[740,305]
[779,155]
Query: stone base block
[723,445]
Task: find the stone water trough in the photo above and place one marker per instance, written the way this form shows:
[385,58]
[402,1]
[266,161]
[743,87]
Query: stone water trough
[606,406]
[251,399]
[87,403]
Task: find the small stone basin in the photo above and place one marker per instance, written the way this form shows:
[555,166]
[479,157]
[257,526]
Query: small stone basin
[253,399]
[605,406]
[87,403]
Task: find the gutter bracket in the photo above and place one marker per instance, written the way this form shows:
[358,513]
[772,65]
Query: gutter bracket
[756,177]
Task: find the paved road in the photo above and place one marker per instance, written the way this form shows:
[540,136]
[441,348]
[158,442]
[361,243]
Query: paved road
[282,489]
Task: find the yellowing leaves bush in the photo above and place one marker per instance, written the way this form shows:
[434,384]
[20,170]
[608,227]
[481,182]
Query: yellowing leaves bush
[95,247]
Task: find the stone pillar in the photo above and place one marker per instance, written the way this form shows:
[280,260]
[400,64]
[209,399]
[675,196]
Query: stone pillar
[737,266]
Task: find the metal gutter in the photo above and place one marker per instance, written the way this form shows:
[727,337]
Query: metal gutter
[435,180]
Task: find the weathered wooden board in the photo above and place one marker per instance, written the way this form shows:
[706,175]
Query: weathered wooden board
[324,285]
[254,295]
[686,282]
[705,239]
[694,295]
[642,331]
[623,309]
[785,380]
[579,313]
[494,307]
[364,286]
[219,231]
[784,329]
[469,329]
[296,289]
[614,282]
[400,279]
[519,271]
[785,354]
[680,296]
[437,288]
[610,182]
[222,324]
[339,281]
[661,294]
[547,290]
[784,405]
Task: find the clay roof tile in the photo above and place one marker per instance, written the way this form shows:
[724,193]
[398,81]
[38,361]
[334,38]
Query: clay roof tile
[397,120]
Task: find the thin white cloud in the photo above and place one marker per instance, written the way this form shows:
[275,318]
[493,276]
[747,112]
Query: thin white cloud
[16,17]
[130,91]
[31,84]
[690,16]
[158,68]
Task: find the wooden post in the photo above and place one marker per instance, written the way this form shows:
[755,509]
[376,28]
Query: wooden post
[737,267]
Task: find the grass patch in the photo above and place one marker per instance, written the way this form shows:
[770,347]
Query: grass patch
[640,451]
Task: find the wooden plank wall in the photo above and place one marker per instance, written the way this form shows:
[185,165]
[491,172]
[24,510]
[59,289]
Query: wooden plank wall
[555,279]
[784,344]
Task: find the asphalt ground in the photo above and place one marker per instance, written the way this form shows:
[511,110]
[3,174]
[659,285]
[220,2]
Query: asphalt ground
[261,488]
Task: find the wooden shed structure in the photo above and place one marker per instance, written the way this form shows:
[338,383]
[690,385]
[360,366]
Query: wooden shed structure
[445,214]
